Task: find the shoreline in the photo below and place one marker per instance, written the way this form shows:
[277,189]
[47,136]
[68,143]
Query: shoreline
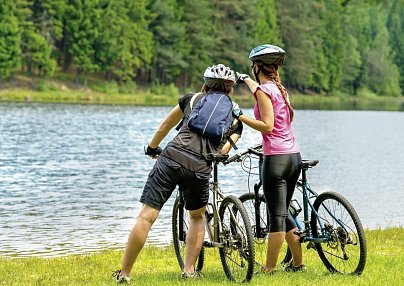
[299,101]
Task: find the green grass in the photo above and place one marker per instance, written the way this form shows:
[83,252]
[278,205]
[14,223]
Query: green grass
[158,266]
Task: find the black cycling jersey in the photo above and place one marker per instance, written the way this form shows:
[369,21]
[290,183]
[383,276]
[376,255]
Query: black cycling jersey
[189,148]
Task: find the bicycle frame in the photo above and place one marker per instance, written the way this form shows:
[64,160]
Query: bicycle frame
[305,228]
[326,221]
[227,226]
[216,198]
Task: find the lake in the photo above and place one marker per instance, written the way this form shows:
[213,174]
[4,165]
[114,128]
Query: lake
[71,175]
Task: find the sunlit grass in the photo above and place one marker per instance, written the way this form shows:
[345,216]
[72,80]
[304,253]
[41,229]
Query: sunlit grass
[158,266]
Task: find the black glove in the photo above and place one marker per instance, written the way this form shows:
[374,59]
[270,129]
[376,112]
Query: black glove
[236,110]
[241,77]
[153,152]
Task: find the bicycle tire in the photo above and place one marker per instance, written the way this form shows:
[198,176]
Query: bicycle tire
[260,241]
[179,242]
[237,253]
[345,251]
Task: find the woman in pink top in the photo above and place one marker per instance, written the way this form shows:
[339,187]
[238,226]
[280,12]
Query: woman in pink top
[273,118]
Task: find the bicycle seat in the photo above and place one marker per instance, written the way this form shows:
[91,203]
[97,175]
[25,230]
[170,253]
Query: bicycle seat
[308,164]
[216,158]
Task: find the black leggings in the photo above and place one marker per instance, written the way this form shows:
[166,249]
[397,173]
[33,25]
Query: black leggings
[280,174]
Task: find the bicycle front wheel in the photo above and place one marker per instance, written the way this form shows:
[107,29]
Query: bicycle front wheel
[260,230]
[345,248]
[180,226]
[237,253]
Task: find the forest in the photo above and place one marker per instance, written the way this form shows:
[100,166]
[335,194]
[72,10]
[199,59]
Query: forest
[332,46]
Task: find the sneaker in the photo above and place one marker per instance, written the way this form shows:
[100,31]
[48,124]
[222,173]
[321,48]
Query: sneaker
[268,272]
[120,279]
[289,267]
[195,275]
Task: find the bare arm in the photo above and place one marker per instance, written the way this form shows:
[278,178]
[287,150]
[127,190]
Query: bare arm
[266,124]
[227,147]
[252,85]
[172,119]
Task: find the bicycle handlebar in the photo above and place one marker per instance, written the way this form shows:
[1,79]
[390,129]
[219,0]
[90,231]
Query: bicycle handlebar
[256,150]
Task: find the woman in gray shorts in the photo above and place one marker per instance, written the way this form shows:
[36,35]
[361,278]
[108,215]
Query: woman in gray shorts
[181,163]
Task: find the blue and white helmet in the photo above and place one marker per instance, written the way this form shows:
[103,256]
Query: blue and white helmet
[219,74]
[268,54]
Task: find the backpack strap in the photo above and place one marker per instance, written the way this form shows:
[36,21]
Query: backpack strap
[191,104]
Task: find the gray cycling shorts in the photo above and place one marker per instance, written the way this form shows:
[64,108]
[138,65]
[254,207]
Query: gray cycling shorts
[165,176]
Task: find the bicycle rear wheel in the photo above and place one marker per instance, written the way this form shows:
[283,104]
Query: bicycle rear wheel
[345,249]
[237,255]
[260,231]
[180,226]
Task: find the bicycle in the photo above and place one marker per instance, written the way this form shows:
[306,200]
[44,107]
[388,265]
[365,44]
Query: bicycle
[329,223]
[227,226]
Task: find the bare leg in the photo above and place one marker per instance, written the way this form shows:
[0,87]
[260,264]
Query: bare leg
[275,241]
[137,237]
[295,247]
[195,237]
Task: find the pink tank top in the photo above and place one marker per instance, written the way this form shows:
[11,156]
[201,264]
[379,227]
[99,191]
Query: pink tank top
[281,140]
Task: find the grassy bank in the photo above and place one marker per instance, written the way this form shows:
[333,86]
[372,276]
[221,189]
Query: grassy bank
[88,96]
[62,89]
[158,266]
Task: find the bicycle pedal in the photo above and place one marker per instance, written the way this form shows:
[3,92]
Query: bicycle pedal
[301,233]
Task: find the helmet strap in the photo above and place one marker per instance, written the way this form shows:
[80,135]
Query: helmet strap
[257,72]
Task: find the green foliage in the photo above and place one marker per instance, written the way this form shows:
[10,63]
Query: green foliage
[234,23]
[200,40]
[83,26]
[169,40]
[331,45]
[38,54]
[124,43]
[10,50]
[266,28]
[299,29]
[395,25]
[167,90]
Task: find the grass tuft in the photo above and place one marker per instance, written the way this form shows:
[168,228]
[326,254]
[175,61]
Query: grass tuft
[158,266]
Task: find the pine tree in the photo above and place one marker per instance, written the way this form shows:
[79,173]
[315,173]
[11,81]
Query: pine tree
[266,29]
[299,26]
[395,25]
[83,26]
[234,24]
[10,50]
[169,41]
[200,39]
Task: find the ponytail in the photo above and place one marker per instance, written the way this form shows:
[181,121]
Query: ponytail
[271,71]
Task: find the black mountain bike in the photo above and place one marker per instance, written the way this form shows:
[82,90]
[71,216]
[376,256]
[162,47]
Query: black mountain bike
[227,226]
[328,223]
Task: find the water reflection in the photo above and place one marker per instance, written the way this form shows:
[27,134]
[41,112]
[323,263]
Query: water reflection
[71,175]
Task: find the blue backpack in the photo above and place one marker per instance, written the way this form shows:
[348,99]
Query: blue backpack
[211,116]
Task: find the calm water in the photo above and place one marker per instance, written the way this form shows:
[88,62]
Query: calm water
[71,175]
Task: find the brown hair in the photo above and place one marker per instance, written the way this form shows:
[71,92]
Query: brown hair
[222,87]
[271,71]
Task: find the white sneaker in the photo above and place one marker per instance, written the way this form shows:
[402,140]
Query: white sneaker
[120,279]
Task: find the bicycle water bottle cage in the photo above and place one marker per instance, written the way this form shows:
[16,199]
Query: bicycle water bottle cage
[294,208]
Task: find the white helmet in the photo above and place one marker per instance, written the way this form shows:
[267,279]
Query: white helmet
[268,54]
[219,74]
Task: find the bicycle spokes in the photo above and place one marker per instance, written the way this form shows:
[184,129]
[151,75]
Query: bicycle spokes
[237,253]
[337,224]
